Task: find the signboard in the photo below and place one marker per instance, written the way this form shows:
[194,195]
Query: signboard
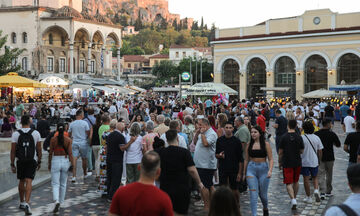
[185,76]
[53,80]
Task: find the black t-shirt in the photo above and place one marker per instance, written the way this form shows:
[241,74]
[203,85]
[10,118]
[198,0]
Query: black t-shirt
[291,144]
[174,163]
[233,153]
[43,126]
[353,142]
[114,154]
[282,125]
[328,139]
[329,111]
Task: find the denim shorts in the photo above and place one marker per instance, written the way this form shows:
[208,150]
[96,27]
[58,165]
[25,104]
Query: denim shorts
[80,150]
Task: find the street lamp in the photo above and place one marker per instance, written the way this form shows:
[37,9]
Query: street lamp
[201,75]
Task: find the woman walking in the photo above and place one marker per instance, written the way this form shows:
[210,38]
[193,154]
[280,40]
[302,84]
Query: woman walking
[258,170]
[60,157]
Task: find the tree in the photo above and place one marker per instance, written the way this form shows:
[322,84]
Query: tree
[175,25]
[184,38]
[165,51]
[202,23]
[169,37]
[195,26]
[185,23]
[124,20]
[138,23]
[163,24]
[165,70]
[10,54]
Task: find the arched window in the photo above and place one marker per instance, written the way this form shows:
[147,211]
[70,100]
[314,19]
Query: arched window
[13,38]
[24,37]
[24,64]
[51,40]
[285,76]
[315,73]
[348,69]
[256,77]
[231,74]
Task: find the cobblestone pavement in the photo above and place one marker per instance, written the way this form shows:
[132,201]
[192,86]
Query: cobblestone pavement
[82,198]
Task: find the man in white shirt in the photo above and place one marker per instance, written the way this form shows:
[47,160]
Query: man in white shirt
[349,123]
[188,108]
[174,125]
[113,108]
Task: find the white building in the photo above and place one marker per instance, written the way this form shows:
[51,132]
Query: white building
[55,31]
[178,53]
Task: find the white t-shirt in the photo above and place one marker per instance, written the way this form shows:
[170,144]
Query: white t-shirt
[348,121]
[189,110]
[112,109]
[316,111]
[78,130]
[134,152]
[182,142]
[309,157]
[35,134]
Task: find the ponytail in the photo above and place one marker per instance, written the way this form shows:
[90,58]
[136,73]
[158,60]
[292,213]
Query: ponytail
[60,129]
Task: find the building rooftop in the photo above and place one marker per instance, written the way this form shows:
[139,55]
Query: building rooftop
[134,58]
[159,56]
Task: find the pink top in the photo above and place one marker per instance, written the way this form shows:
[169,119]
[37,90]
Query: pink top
[148,140]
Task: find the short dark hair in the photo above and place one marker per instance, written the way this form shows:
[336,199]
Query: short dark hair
[349,111]
[230,123]
[326,122]
[292,124]
[278,111]
[25,120]
[171,135]
[150,162]
[173,124]
[79,112]
[353,175]
[308,127]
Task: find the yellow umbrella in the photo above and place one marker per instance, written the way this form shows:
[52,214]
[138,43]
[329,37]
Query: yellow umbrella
[12,79]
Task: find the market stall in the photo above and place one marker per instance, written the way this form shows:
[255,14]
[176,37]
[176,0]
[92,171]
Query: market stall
[210,89]
[56,90]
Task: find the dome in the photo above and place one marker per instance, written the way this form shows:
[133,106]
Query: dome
[67,11]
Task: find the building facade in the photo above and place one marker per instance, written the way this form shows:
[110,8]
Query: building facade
[179,52]
[60,40]
[315,50]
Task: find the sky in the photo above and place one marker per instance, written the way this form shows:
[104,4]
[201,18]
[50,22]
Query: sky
[240,13]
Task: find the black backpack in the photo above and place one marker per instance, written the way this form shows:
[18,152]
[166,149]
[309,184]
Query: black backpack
[25,147]
[46,145]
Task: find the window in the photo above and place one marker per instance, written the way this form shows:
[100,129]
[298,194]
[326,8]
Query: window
[62,65]
[25,39]
[62,41]
[177,54]
[315,73]
[92,66]
[13,38]
[184,54]
[14,62]
[50,64]
[82,66]
[24,65]
[131,31]
[285,76]
[256,77]
[348,69]
[129,65]
[82,44]
[51,40]
[231,74]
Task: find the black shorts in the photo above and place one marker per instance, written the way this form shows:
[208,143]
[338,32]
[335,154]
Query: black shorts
[26,169]
[179,195]
[228,178]
[206,176]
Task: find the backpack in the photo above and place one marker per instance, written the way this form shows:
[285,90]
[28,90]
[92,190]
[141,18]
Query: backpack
[25,146]
[46,145]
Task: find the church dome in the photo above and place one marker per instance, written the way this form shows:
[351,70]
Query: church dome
[67,11]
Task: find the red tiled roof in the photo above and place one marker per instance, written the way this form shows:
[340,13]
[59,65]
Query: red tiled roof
[176,46]
[134,58]
[159,56]
[287,33]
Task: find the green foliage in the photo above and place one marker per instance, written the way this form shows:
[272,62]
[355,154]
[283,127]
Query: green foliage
[165,70]
[8,56]
[165,51]
[138,23]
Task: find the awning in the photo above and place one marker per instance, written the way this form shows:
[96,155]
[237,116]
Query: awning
[275,88]
[80,86]
[122,90]
[165,89]
[210,89]
[54,81]
[320,93]
[345,88]
[12,79]
[105,89]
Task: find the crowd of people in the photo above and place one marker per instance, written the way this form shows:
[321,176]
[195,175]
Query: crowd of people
[170,151]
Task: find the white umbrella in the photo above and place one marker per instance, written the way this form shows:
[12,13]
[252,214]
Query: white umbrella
[210,89]
[320,93]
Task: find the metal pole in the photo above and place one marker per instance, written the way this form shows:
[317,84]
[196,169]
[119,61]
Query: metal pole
[190,69]
[180,87]
[201,75]
[196,73]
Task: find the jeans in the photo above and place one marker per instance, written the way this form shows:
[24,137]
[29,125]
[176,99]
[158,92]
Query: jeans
[258,182]
[59,174]
[114,173]
[96,149]
[326,171]
[89,159]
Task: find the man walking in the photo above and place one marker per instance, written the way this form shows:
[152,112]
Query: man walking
[24,143]
[352,144]
[229,153]
[79,131]
[329,139]
[280,127]
[291,146]
[204,158]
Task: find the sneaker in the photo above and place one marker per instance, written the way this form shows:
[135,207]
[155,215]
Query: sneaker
[329,195]
[88,175]
[199,203]
[27,209]
[322,196]
[293,204]
[308,200]
[73,179]
[56,208]
[22,205]
[317,196]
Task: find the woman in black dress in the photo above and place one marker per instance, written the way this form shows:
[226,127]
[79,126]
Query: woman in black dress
[176,165]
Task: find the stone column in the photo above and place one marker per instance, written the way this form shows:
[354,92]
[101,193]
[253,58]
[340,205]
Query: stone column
[242,83]
[332,77]
[270,83]
[118,63]
[300,83]
[71,46]
[89,59]
[102,60]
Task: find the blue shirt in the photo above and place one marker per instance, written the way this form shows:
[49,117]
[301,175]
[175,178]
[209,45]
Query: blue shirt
[343,110]
[352,201]
[208,103]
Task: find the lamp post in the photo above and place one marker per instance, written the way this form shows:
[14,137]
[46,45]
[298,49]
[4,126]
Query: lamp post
[201,74]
